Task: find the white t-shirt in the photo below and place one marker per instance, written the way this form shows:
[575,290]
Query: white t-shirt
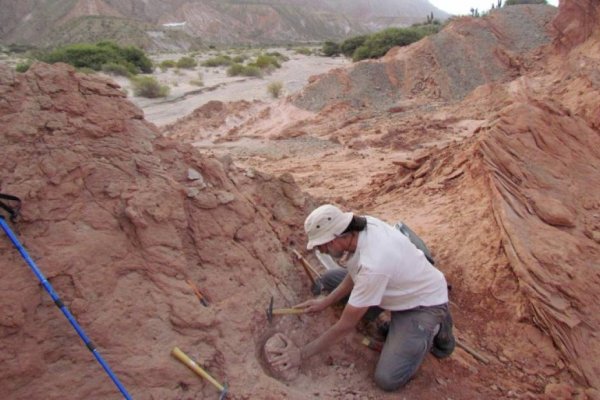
[389,271]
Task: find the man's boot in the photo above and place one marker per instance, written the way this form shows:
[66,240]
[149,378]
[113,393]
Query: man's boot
[444,342]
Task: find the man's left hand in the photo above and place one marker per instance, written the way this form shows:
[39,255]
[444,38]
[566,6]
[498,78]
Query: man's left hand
[288,358]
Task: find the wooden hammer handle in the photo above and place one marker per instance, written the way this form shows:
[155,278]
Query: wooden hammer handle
[307,266]
[282,311]
[181,356]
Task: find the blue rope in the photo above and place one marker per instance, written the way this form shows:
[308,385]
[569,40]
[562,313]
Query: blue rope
[62,307]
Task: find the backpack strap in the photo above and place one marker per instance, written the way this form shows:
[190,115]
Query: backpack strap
[13,211]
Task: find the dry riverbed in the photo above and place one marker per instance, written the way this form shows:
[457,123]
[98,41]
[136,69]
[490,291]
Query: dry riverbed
[186,94]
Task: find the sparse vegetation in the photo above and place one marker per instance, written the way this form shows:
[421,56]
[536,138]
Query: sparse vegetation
[148,86]
[278,55]
[265,61]
[515,2]
[349,46]
[251,70]
[379,43]
[303,50]
[274,88]
[166,64]
[19,48]
[115,69]
[86,70]
[331,49]
[244,70]
[95,56]
[217,61]
[23,66]
[187,63]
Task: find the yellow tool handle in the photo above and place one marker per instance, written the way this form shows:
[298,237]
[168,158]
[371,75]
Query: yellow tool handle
[281,311]
[181,356]
[306,266]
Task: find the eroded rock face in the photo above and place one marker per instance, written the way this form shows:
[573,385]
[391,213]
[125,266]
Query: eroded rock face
[577,20]
[117,223]
[543,172]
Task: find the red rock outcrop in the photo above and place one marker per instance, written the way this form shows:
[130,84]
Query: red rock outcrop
[118,218]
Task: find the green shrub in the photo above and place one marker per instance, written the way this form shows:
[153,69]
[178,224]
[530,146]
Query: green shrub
[19,48]
[115,69]
[23,66]
[251,70]
[264,61]
[235,69]
[278,56]
[274,88]
[331,49]
[86,70]
[240,58]
[148,86]
[303,50]
[133,55]
[166,64]
[94,56]
[187,63]
[515,2]
[218,61]
[377,44]
[349,46]
[244,70]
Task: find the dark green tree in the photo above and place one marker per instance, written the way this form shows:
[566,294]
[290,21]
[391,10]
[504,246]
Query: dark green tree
[349,46]
[95,56]
[515,2]
[331,49]
[379,43]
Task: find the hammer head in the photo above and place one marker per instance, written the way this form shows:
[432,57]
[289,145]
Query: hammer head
[270,311]
[223,392]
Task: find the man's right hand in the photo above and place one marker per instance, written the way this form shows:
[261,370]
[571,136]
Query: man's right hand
[313,305]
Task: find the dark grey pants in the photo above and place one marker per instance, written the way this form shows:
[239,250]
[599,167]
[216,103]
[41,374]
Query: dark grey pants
[413,333]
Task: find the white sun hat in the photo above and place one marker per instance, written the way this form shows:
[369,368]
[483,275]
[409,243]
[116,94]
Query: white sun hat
[324,224]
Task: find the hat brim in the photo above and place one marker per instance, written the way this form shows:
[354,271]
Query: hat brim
[341,227]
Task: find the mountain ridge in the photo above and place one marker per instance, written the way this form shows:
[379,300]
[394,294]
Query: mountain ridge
[47,23]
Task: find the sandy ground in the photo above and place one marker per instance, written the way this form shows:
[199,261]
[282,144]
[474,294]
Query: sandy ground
[185,96]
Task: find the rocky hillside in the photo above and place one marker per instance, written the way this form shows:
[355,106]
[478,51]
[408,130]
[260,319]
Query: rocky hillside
[490,150]
[450,64]
[44,22]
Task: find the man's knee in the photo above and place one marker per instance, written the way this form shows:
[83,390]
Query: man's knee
[391,381]
[332,278]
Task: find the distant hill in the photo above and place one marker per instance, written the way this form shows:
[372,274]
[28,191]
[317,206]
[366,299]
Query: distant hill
[146,22]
